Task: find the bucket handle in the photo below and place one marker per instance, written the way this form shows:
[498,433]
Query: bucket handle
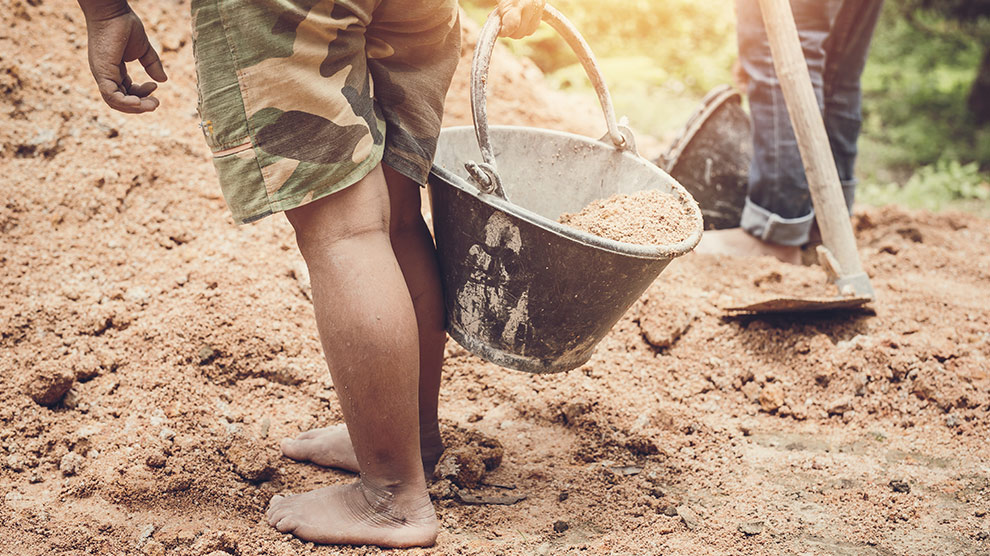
[485,174]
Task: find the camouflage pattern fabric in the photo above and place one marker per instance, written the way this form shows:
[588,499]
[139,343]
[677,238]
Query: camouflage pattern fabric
[301,98]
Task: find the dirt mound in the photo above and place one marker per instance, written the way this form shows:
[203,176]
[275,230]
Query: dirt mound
[152,354]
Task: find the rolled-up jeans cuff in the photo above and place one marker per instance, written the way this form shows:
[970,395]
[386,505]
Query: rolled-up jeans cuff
[772,228]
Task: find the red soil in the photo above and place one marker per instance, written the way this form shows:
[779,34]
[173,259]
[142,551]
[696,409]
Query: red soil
[188,348]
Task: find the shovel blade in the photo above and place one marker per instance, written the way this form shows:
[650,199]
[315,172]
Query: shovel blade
[803,305]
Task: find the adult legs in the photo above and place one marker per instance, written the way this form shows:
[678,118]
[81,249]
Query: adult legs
[416,255]
[777,217]
[847,49]
[368,329]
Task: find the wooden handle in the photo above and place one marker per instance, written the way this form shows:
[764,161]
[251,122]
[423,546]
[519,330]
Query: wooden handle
[809,128]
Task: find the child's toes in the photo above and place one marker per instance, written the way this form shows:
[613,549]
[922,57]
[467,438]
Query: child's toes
[294,448]
[276,509]
[286,524]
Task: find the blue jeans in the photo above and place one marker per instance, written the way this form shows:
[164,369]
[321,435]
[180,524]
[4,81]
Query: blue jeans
[835,36]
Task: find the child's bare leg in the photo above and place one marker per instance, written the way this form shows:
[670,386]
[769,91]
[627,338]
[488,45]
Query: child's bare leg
[414,250]
[369,333]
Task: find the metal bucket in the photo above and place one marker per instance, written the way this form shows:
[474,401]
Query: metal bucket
[522,290]
[711,157]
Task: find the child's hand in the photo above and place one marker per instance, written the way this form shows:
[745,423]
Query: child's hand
[113,41]
[520,18]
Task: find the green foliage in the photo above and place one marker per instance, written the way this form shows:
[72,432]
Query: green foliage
[915,89]
[934,187]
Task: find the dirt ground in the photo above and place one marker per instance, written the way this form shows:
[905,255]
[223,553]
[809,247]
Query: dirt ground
[152,354]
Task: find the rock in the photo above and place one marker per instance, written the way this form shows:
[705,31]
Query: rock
[71,399]
[751,390]
[688,516]
[772,397]
[951,421]
[560,526]
[250,459]
[839,406]
[155,460]
[899,485]
[16,463]
[669,510]
[207,354]
[153,548]
[751,528]
[442,490]
[146,533]
[71,464]
[48,384]
[572,410]
[564,495]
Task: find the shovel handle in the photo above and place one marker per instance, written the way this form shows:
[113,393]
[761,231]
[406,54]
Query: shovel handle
[813,143]
[486,173]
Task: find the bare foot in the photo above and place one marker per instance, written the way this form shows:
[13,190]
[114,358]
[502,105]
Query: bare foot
[357,514]
[327,447]
[331,447]
[739,243]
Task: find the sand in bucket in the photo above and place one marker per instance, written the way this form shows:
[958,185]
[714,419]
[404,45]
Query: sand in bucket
[649,217]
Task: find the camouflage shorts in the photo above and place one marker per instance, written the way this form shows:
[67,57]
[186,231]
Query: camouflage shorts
[302,98]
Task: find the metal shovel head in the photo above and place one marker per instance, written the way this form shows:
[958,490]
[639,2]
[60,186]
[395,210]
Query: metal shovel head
[803,305]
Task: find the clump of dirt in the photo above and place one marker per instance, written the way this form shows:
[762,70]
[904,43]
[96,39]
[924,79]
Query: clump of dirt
[648,217]
[469,455]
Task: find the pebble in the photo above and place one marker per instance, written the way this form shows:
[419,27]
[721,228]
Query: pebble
[688,516]
[839,406]
[899,485]
[71,464]
[49,385]
[560,526]
[772,397]
[564,495]
[16,463]
[951,421]
[751,390]
[751,528]
[153,548]
[146,533]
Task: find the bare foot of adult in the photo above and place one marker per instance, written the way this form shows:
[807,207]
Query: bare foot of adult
[737,242]
[357,514]
[331,447]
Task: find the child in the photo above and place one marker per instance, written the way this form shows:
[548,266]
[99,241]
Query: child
[330,111]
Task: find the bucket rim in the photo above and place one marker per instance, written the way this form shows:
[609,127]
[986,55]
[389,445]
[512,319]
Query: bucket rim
[644,251]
